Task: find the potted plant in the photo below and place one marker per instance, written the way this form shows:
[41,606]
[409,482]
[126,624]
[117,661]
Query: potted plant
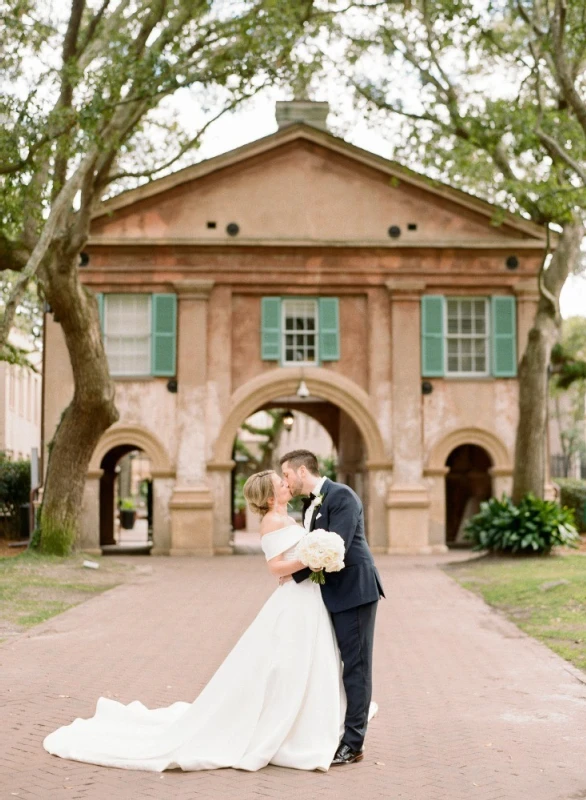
[127,513]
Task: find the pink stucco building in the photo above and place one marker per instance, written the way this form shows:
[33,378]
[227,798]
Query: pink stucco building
[398,301]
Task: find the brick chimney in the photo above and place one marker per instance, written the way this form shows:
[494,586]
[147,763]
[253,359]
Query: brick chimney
[308,111]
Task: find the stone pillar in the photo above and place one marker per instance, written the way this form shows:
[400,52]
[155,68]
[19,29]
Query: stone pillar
[378,478]
[89,538]
[350,454]
[436,481]
[163,491]
[191,503]
[379,361]
[220,476]
[408,497]
[219,390]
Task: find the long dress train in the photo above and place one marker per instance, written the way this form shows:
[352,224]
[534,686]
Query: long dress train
[277,698]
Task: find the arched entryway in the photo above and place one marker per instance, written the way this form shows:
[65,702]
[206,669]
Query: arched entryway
[343,408]
[468,484]
[460,468]
[126,500]
[130,464]
[267,435]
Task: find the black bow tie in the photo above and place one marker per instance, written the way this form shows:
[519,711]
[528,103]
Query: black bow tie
[312,495]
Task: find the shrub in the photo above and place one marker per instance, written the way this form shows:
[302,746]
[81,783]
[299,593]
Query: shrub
[532,527]
[573,495]
[15,484]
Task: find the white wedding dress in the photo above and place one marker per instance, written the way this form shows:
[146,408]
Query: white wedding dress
[277,698]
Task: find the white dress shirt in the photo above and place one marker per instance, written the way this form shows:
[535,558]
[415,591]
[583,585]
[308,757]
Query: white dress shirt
[309,513]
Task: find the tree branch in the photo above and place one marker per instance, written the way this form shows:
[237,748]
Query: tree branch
[60,206]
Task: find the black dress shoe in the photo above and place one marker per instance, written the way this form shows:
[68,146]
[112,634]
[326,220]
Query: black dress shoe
[345,755]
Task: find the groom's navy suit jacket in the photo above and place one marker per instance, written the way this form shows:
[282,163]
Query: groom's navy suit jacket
[359,582]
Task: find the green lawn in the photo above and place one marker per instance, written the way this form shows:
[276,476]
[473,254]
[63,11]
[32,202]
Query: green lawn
[34,587]
[523,589]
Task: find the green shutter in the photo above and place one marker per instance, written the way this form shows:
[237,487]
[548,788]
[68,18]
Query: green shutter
[163,334]
[504,337]
[270,336]
[100,299]
[329,329]
[432,336]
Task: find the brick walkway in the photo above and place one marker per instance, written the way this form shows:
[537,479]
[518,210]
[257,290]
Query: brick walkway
[469,706]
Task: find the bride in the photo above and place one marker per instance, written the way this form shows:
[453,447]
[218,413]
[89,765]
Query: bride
[277,698]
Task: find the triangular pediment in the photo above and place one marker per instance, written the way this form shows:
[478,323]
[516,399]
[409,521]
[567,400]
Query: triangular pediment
[307,187]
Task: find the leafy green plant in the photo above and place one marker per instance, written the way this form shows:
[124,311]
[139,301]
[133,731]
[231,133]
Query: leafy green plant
[532,527]
[127,504]
[15,484]
[573,495]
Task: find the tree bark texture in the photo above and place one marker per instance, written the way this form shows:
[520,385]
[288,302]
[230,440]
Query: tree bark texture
[530,452]
[91,411]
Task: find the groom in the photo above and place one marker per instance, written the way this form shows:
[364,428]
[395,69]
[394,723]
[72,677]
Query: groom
[351,595]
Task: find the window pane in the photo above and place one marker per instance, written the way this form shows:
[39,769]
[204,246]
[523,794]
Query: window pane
[301,325]
[467,344]
[466,308]
[452,347]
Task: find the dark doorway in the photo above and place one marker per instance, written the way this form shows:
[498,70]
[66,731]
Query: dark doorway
[468,483]
[126,501]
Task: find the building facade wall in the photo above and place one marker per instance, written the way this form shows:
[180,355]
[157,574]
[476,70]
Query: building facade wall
[312,225]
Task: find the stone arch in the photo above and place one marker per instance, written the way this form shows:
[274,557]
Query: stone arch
[501,459]
[321,383]
[142,439]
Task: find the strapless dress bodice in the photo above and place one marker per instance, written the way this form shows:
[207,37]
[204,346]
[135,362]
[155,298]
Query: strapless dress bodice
[282,542]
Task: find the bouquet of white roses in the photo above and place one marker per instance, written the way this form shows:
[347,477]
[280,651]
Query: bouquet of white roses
[321,550]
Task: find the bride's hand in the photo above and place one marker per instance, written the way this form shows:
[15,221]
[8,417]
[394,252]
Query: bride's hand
[284,578]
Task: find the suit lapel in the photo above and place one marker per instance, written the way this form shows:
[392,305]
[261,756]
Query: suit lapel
[324,490]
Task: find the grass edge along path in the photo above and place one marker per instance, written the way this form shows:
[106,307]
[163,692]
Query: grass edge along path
[35,587]
[545,596]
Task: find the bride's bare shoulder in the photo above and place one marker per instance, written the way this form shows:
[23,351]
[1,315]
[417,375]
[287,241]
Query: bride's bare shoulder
[272,522]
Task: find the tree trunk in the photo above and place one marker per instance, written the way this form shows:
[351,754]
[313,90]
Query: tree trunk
[530,468]
[90,413]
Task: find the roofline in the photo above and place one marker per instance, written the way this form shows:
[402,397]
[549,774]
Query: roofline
[336,144]
[535,245]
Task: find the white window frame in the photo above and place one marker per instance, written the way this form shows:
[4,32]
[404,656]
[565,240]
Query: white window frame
[126,373]
[472,336]
[284,332]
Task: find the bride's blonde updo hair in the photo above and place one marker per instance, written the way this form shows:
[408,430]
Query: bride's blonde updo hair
[258,490]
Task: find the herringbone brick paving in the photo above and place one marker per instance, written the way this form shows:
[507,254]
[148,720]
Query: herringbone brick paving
[470,707]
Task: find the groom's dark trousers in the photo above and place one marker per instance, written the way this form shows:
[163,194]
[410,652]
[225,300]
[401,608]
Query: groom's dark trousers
[351,596]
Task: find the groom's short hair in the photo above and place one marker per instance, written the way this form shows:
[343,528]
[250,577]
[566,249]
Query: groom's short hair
[301,458]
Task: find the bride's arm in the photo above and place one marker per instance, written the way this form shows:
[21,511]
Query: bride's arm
[281,567]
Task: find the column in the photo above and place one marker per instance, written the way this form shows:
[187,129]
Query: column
[191,503]
[89,535]
[408,498]
[219,391]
